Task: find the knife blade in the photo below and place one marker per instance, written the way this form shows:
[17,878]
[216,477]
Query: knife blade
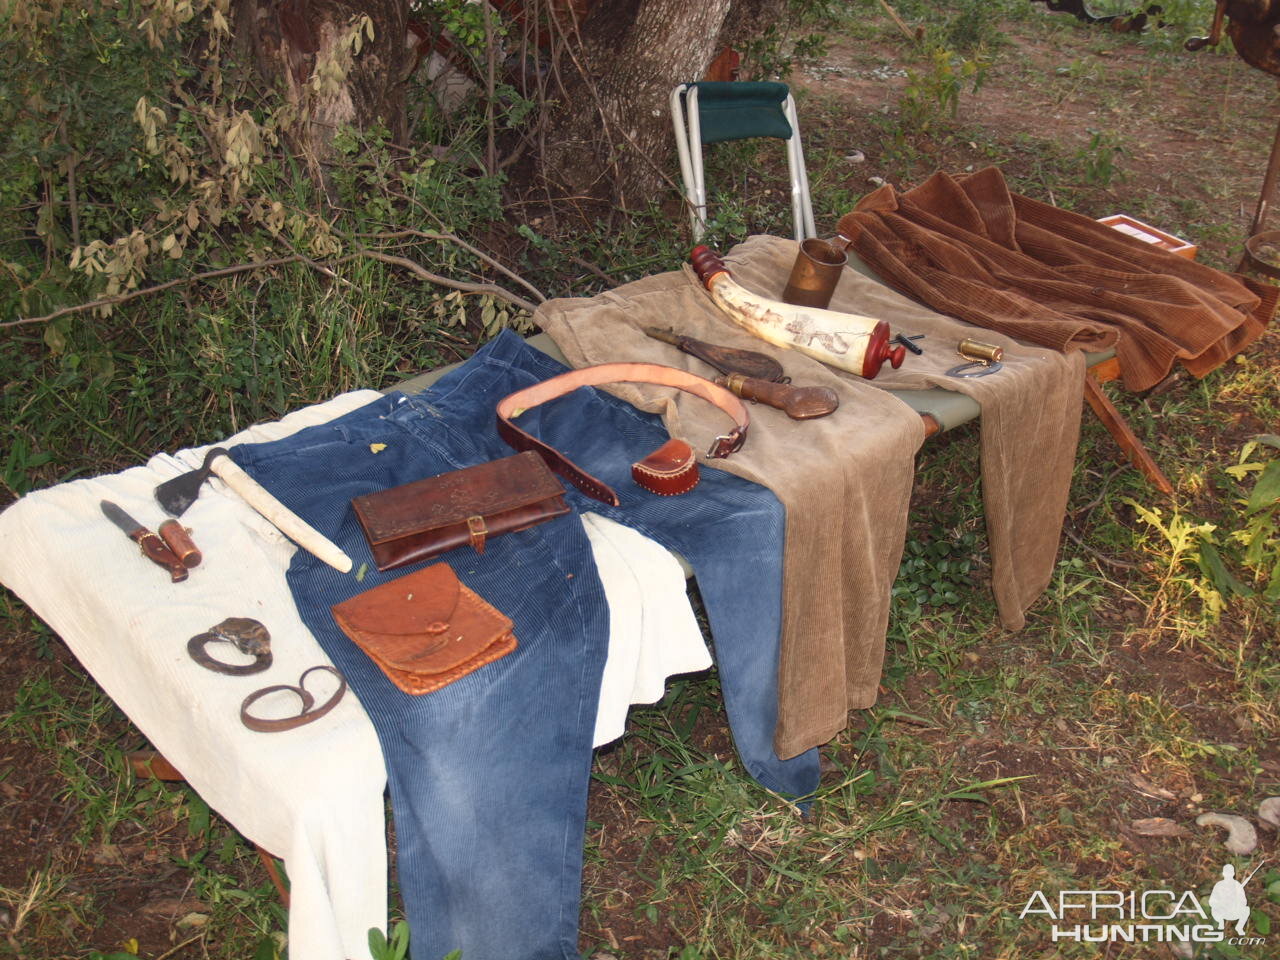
[153,548]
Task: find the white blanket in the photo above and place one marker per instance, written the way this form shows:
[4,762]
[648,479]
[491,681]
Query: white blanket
[313,795]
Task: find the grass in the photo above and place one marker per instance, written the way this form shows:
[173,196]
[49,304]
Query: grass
[995,764]
[755,862]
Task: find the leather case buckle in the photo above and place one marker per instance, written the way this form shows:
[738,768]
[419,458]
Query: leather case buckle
[477,529]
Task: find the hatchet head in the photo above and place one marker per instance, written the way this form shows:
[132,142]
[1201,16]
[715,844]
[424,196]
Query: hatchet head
[176,495]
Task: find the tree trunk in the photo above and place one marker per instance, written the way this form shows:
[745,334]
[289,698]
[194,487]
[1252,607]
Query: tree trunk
[303,47]
[611,138]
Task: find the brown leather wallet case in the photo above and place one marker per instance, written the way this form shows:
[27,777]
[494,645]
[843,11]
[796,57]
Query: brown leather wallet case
[420,520]
[425,629]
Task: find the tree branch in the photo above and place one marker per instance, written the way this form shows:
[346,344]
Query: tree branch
[913,35]
[414,268]
[491,150]
[134,294]
[451,238]
[418,270]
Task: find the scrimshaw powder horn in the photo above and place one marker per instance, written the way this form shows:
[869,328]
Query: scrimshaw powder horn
[847,341]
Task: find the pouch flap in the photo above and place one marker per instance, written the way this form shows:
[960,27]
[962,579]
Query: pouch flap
[420,602]
[424,622]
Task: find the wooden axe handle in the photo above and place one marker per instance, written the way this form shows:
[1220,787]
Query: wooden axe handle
[285,520]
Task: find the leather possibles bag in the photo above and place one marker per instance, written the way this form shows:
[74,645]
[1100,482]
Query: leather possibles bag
[422,519]
[425,629]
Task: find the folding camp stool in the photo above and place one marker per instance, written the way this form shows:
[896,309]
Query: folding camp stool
[714,112]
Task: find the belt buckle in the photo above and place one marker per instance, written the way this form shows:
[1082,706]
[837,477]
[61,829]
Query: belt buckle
[734,440]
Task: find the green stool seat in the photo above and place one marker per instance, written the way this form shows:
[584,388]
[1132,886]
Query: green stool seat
[738,111]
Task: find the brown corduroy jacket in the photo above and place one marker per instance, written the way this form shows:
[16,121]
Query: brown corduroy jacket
[968,247]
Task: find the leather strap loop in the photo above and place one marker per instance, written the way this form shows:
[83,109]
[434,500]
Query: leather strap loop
[305,715]
[477,529]
[517,403]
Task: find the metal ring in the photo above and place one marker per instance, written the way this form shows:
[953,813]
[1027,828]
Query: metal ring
[306,715]
[974,368]
[221,633]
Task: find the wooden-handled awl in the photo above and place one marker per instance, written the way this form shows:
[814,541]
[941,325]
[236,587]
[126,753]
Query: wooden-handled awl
[178,494]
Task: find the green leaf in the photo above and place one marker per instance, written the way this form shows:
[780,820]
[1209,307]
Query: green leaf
[1211,566]
[266,950]
[197,816]
[791,874]
[1272,593]
[400,942]
[1266,492]
[1261,922]
[1270,439]
[54,338]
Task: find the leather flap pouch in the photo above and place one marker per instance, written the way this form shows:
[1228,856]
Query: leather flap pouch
[425,624]
[422,519]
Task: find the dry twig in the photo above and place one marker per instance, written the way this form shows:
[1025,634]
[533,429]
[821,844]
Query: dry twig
[912,35]
[423,273]
[416,269]
[451,238]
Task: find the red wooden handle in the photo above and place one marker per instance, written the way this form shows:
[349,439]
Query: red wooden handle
[706,263]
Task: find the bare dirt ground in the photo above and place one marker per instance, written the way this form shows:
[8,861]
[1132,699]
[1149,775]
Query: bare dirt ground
[1076,117]
[1188,134]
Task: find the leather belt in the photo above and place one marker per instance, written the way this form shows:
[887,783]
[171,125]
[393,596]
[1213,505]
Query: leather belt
[667,471]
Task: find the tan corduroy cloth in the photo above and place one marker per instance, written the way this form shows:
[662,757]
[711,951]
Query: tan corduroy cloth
[1030,417]
[969,248]
[845,481]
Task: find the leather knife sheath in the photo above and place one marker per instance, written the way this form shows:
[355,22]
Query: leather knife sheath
[153,548]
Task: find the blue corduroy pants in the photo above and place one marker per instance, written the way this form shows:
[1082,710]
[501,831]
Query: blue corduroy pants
[488,776]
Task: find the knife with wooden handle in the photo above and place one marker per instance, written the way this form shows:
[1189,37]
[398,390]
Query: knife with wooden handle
[153,548]
[728,360]
[798,403]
